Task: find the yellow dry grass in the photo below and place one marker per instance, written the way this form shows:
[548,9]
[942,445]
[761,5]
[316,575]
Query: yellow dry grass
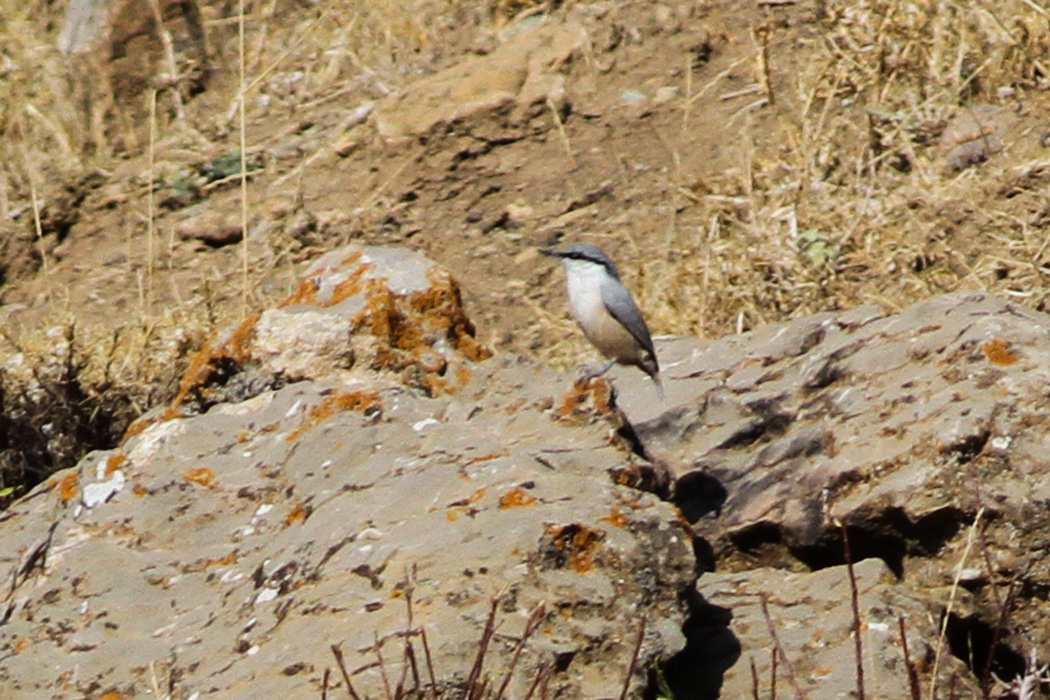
[853,205]
[840,195]
[293,60]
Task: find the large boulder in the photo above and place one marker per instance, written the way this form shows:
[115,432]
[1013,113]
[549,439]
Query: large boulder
[376,480]
[922,434]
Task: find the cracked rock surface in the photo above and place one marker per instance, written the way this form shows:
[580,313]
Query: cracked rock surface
[228,543]
[922,433]
[352,468]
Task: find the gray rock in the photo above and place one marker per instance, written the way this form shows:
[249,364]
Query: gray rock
[223,550]
[907,429]
[842,415]
[355,449]
[810,616]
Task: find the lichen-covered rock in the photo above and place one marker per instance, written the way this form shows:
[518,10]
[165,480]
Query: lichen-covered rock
[811,616]
[908,429]
[371,308]
[224,550]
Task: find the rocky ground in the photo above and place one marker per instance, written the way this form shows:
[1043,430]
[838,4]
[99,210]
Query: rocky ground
[745,164]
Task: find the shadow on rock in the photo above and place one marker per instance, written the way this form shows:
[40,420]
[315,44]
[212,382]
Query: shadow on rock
[697,494]
[711,648]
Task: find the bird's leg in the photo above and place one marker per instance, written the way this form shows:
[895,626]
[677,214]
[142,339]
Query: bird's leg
[592,374]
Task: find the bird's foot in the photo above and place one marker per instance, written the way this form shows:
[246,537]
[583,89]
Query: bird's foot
[590,373]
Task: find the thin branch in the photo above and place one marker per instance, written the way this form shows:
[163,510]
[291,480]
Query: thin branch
[951,602]
[483,646]
[779,651]
[338,654]
[854,600]
[634,659]
[913,673]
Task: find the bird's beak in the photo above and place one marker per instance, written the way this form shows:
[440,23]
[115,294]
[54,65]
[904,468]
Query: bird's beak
[551,252]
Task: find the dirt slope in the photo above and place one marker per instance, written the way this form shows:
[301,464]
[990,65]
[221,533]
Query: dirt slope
[743,163]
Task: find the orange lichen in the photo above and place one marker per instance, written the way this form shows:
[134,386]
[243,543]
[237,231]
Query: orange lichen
[579,542]
[137,426]
[628,475]
[361,401]
[115,462]
[572,403]
[297,514]
[616,518]
[435,385]
[452,515]
[463,376]
[210,361]
[305,294]
[476,496]
[585,398]
[351,259]
[139,490]
[68,489]
[111,695]
[228,560]
[516,498]
[487,457]
[350,287]
[20,645]
[472,349]
[436,310]
[201,475]
[442,304]
[998,352]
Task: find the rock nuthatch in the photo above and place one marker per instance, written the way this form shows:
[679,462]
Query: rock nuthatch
[605,309]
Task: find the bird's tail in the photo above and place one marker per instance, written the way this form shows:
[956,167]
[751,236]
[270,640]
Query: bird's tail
[659,385]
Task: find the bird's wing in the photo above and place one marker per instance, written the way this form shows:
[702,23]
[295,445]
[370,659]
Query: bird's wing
[619,302]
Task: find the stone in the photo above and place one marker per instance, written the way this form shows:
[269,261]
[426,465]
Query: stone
[118,55]
[227,544]
[910,430]
[810,615]
[520,72]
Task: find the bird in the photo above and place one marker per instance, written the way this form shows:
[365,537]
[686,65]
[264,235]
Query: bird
[605,309]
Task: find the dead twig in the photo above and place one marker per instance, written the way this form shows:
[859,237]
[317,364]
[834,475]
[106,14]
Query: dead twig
[913,673]
[778,650]
[430,664]
[483,647]
[855,602]
[951,602]
[382,667]
[634,659]
[338,654]
[540,681]
[760,35]
[533,623]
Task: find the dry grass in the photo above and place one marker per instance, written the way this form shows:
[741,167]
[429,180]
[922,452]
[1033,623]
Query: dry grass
[75,388]
[65,391]
[840,195]
[851,202]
